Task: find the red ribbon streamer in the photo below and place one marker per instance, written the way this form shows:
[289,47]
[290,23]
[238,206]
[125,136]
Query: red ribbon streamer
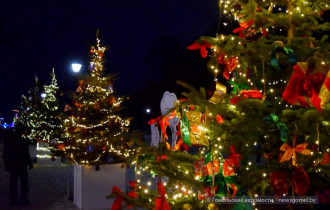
[119,198]
[202,47]
[247,94]
[300,180]
[160,202]
[243,26]
[279,183]
[327,83]
[301,85]
[236,158]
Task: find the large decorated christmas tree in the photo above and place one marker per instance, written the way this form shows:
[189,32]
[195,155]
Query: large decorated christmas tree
[261,127]
[96,132]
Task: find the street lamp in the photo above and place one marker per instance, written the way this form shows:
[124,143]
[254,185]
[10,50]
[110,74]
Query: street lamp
[76,67]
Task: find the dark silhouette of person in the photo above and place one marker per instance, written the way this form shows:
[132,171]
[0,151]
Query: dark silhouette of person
[3,133]
[17,158]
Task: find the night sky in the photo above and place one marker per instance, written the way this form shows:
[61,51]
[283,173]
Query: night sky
[147,42]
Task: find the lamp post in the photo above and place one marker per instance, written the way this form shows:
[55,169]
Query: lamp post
[76,67]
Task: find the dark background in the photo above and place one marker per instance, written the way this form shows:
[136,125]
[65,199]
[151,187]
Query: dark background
[147,42]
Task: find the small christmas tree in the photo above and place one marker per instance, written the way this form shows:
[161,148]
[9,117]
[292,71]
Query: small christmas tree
[96,132]
[31,112]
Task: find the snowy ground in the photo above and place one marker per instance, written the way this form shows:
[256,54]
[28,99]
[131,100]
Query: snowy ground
[48,187]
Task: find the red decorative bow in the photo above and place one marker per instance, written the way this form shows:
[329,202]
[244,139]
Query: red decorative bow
[280,181]
[301,85]
[161,157]
[132,184]
[247,94]
[243,26]
[236,158]
[230,64]
[163,122]
[213,165]
[120,196]
[160,202]
[202,47]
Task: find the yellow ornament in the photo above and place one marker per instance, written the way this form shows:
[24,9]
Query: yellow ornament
[186,206]
[212,206]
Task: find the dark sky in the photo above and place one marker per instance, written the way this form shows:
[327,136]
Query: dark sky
[147,42]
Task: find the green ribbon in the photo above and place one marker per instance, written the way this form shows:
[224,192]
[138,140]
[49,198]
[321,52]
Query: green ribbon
[238,87]
[288,51]
[243,205]
[185,128]
[273,118]
[208,158]
[220,182]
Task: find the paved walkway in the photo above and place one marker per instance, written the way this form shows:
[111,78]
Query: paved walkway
[48,188]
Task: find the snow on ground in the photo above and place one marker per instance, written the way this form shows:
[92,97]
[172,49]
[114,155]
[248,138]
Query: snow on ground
[49,187]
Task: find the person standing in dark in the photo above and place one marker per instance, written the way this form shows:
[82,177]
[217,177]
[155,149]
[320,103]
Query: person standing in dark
[17,158]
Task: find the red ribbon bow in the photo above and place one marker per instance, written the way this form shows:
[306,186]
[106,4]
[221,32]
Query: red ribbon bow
[230,64]
[202,47]
[160,202]
[280,181]
[161,157]
[247,94]
[301,85]
[243,26]
[163,122]
[132,184]
[213,165]
[120,196]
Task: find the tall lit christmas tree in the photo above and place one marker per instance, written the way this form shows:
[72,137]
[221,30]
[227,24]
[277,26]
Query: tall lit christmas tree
[96,132]
[51,131]
[262,126]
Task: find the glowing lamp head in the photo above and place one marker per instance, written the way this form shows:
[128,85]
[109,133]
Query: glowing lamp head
[43,95]
[148,110]
[76,67]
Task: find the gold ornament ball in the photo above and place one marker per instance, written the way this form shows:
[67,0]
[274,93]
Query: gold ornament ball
[187,206]
[212,206]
